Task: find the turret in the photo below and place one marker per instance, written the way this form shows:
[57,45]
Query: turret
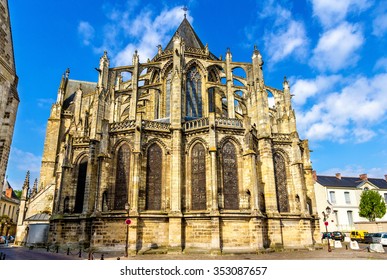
[103,71]
[229,83]
[62,87]
[135,75]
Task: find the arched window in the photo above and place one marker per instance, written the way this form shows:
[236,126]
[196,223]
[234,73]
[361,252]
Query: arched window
[122,177]
[198,177]
[81,184]
[153,178]
[66,205]
[168,95]
[211,100]
[105,201]
[194,94]
[280,183]
[230,176]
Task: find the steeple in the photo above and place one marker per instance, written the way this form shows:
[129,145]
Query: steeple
[189,36]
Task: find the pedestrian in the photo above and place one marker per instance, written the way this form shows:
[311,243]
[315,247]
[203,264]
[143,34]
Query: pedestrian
[6,240]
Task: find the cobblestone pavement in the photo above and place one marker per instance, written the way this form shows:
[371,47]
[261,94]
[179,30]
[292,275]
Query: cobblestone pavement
[344,253]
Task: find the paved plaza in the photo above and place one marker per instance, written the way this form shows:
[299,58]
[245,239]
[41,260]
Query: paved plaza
[344,253]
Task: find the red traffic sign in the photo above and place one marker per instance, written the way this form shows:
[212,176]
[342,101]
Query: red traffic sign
[128,221]
[326,223]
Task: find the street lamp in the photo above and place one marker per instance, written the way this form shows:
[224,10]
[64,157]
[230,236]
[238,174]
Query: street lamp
[127,222]
[326,216]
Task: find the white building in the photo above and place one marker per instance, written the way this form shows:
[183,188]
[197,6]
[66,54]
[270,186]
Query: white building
[342,196]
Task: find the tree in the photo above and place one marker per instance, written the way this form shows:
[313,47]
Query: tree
[371,205]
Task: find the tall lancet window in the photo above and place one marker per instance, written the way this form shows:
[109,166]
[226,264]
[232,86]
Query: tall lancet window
[198,177]
[194,94]
[168,90]
[122,177]
[81,185]
[230,177]
[153,178]
[280,183]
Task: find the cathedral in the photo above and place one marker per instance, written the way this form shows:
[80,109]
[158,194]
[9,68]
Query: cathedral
[180,154]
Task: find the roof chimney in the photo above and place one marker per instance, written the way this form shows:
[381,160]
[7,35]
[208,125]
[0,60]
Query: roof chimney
[338,176]
[314,175]
[385,177]
[363,177]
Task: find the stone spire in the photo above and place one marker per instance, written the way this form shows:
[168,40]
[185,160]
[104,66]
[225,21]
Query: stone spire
[26,186]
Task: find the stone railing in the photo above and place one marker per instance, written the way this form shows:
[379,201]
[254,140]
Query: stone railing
[159,126]
[121,126]
[282,137]
[226,122]
[195,124]
[81,140]
[67,113]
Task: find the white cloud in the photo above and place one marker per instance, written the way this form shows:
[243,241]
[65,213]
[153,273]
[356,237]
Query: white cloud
[352,112]
[354,171]
[286,41]
[25,161]
[86,31]
[127,31]
[285,36]
[332,12]
[381,64]
[337,47]
[304,89]
[379,24]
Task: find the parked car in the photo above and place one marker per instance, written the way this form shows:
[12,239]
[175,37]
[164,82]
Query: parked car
[376,237]
[368,237]
[326,235]
[338,235]
[358,235]
[2,239]
[383,239]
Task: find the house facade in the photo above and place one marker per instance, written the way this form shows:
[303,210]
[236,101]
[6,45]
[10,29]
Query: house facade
[342,195]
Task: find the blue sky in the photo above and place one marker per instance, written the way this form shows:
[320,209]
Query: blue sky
[332,52]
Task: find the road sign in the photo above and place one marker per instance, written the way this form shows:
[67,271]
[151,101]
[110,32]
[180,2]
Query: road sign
[326,223]
[128,221]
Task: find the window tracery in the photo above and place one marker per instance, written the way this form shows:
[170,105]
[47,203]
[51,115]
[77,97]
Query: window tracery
[280,183]
[153,178]
[198,177]
[230,176]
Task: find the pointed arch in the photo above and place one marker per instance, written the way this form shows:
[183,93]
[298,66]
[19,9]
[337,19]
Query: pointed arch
[154,177]
[81,172]
[198,177]
[193,97]
[230,176]
[121,187]
[281,182]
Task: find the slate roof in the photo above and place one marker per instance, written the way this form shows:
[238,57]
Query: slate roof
[351,182]
[39,217]
[185,31]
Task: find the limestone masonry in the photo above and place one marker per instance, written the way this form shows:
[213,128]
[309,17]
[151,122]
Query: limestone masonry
[187,149]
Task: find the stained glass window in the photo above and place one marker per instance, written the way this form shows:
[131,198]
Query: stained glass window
[198,177]
[280,182]
[230,177]
[168,95]
[153,178]
[122,177]
[194,94]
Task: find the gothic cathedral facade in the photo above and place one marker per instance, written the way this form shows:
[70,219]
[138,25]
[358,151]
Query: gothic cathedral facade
[186,149]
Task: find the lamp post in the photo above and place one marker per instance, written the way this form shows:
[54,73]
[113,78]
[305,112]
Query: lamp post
[326,216]
[127,222]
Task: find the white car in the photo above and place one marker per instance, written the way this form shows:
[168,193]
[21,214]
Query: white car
[383,239]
